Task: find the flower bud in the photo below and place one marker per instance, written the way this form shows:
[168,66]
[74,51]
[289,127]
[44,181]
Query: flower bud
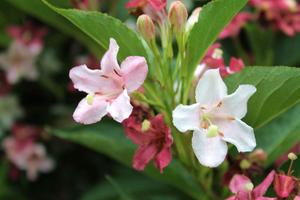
[146,28]
[292,156]
[284,185]
[245,164]
[178,16]
[193,19]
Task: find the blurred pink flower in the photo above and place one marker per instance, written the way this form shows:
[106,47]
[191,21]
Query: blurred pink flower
[85,4]
[157,5]
[29,35]
[283,15]
[284,185]
[297,198]
[235,26]
[24,153]
[243,188]
[108,88]
[214,60]
[153,138]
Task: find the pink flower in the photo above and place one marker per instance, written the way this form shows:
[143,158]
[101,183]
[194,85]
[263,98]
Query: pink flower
[85,4]
[233,29]
[214,60]
[243,189]
[108,88]
[297,198]
[282,15]
[29,35]
[284,185]
[24,153]
[153,138]
[157,5]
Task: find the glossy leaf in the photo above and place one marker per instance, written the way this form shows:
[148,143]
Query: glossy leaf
[278,90]
[108,138]
[101,27]
[280,135]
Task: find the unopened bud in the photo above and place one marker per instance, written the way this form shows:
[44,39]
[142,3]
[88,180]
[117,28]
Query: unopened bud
[212,131]
[145,125]
[292,156]
[178,16]
[90,98]
[245,164]
[146,27]
[193,19]
[249,186]
[259,155]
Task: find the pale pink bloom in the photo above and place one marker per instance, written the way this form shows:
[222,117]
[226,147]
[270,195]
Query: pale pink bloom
[108,88]
[243,188]
[215,119]
[235,26]
[297,198]
[29,35]
[19,62]
[27,156]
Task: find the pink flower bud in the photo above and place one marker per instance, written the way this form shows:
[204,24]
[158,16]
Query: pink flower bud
[284,185]
[146,27]
[178,16]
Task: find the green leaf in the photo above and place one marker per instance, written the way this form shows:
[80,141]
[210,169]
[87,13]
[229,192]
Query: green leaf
[39,10]
[212,20]
[280,135]
[278,90]
[108,138]
[101,27]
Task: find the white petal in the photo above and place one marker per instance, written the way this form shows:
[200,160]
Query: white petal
[236,103]
[89,114]
[187,117]
[120,108]
[238,133]
[210,152]
[210,88]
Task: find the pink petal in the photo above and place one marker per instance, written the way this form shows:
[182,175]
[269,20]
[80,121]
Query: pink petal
[143,155]
[89,114]
[85,79]
[284,185]
[93,81]
[163,158]
[120,108]
[262,188]
[297,198]
[134,69]
[238,183]
[109,62]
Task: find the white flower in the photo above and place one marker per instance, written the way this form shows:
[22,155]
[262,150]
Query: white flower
[215,119]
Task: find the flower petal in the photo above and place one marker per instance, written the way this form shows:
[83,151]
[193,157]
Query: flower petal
[143,156]
[89,114]
[210,152]
[163,158]
[109,61]
[134,70]
[236,103]
[85,79]
[210,88]
[187,117]
[238,183]
[120,108]
[238,133]
[93,81]
[262,188]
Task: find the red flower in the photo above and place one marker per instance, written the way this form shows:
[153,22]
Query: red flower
[153,138]
[284,185]
[233,29]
